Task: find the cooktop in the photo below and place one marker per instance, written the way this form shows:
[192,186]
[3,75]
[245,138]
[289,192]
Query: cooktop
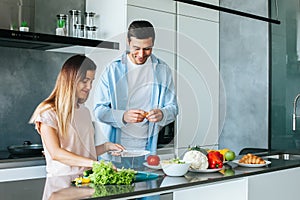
[6,155]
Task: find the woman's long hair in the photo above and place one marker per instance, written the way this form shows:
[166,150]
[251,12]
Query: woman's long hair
[63,97]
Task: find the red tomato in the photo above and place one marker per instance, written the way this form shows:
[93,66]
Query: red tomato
[153,160]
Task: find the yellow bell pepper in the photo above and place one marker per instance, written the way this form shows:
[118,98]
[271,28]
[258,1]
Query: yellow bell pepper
[86,180]
[223,151]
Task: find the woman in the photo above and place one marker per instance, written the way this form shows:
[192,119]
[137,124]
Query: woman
[65,124]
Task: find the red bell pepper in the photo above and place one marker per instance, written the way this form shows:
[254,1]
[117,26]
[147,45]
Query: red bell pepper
[220,155]
[215,160]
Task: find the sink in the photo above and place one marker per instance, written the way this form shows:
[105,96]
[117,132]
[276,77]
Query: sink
[284,156]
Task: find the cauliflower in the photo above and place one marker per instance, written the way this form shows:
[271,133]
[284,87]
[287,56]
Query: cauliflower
[198,159]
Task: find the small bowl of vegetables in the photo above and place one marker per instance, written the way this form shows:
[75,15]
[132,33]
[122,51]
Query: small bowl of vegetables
[175,167]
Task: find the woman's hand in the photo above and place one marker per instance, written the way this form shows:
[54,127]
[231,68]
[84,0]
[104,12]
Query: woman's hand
[115,149]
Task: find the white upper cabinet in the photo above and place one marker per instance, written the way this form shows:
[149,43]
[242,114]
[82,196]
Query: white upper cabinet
[188,40]
[161,5]
[197,76]
[114,16]
[164,24]
[110,17]
[199,12]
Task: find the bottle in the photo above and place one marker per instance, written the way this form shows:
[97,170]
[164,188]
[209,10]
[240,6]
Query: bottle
[91,32]
[75,18]
[62,25]
[79,30]
[89,18]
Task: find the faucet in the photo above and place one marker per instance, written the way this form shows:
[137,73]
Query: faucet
[294,112]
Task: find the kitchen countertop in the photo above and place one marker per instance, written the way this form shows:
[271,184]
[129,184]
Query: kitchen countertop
[22,162]
[34,188]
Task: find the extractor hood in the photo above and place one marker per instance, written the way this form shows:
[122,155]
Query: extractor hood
[40,41]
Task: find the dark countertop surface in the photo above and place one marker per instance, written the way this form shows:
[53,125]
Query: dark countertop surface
[60,186]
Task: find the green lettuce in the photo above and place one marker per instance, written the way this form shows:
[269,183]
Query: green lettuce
[105,174]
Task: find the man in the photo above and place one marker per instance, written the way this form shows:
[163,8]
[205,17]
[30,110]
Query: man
[135,96]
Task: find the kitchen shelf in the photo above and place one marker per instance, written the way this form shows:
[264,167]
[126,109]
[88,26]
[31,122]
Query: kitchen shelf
[41,41]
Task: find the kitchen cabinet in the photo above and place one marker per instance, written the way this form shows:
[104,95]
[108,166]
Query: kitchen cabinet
[282,184]
[22,173]
[164,23]
[199,12]
[188,40]
[198,75]
[165,6]
[113,26]
[221,190]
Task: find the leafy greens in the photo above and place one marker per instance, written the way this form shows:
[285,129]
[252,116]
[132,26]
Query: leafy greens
[105,174]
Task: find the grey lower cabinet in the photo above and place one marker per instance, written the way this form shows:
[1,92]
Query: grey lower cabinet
[226,190]
[276,185]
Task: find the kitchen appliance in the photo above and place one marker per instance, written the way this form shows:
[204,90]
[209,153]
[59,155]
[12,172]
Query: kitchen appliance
[166,136]
[40,41]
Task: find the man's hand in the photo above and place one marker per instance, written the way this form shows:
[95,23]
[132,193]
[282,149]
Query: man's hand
[134,116]
[155,115]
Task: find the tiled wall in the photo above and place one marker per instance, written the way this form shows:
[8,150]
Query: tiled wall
[13,12]
[244,72]
[40,15]
[26,78]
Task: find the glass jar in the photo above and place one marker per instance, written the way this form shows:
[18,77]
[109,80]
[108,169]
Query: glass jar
[62,25]
[75,18]
[79,30]
[89,18]
[91,32]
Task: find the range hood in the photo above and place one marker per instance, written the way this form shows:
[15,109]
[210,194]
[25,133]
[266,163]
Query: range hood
[40,41]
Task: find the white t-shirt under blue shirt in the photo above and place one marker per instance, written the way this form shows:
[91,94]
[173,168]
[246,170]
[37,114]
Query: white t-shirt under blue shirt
[140,82]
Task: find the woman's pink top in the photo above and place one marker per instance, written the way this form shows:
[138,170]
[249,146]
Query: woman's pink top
[80,140]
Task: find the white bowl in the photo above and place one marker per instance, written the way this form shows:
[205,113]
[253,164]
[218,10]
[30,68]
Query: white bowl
[175,169]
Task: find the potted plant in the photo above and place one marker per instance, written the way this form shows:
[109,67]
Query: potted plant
[24,26]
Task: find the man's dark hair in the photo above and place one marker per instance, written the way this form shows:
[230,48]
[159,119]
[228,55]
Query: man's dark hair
[141,29]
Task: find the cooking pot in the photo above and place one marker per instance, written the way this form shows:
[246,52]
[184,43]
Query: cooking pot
[26,149]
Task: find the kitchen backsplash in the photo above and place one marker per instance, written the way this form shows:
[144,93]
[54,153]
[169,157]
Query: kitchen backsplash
[26,78]
[40,15]
[13,12]
[46,11]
